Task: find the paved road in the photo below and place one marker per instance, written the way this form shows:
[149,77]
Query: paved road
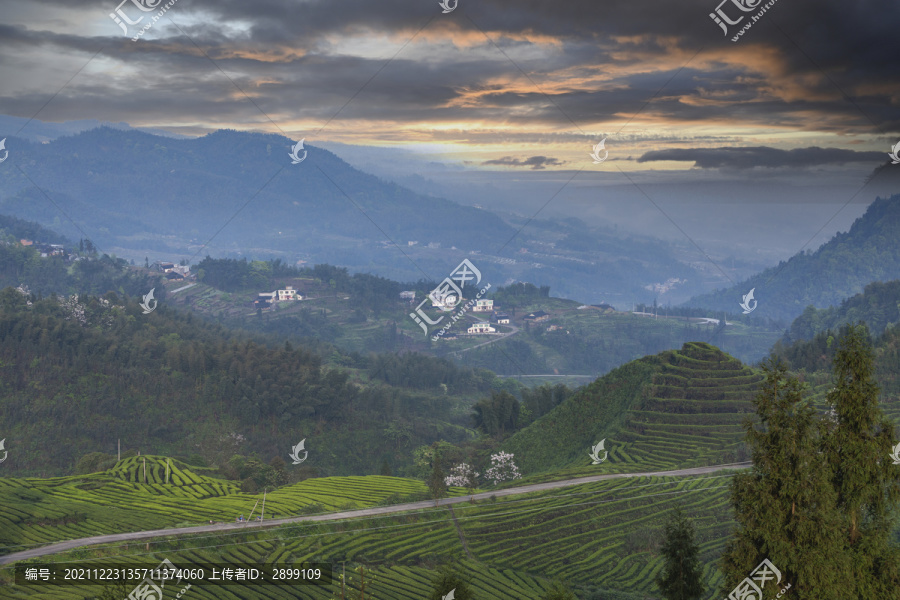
[366,512]
[495,338]
[183,288]
[552,375]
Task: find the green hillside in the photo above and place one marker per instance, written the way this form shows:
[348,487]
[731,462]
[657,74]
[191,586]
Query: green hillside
[593,341]
[878,306]
[595,536]
[673,410]
[363,313]
[82,373]
[839,269]
[812,359]
[40,511]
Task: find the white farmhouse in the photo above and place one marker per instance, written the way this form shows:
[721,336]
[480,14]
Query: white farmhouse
[288,293]
[483,306]
[481,328]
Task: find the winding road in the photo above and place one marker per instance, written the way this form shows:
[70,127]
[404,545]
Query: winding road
[495,338]
[350,514]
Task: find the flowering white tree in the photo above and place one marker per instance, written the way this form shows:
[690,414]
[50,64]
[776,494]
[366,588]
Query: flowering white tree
[502,468]
[462,475]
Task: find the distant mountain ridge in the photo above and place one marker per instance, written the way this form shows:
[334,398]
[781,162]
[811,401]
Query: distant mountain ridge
[120,183]
[35,130]
[138,195]
[842,267]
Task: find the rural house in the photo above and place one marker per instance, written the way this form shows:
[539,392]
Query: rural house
[481,328]
[483,306]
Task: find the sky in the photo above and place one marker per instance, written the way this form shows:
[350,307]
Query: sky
[809,95]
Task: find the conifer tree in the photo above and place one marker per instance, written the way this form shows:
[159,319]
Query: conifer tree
[436,481]
[450,579]
[785,506]
[682,575]
[558,591]
[865,479]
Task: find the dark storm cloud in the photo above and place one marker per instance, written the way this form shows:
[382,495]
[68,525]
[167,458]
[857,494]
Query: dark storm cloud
[748,158]
[535,162]
[284,54]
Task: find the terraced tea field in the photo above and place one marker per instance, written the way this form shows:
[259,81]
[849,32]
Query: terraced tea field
[39,511]
[675,410]
[603,534]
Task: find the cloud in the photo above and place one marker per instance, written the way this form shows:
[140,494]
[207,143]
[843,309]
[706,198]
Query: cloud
[404,72]
[535,162]
[762,156]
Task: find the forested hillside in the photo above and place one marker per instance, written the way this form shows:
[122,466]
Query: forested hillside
[841,268]
[878,306]
[80,373]
[23,265]
[14,229]
[815,356]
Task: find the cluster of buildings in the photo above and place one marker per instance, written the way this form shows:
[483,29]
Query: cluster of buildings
[171,271]
[501,318]
[46,249]
[497,317]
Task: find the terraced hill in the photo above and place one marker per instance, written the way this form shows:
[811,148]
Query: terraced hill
[676,409]
[601,535]
[39,511]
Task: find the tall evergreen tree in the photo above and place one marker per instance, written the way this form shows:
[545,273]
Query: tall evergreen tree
[449,578]
[866,481]
[558,591]
[436,483]
[785,506]
[682,574]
